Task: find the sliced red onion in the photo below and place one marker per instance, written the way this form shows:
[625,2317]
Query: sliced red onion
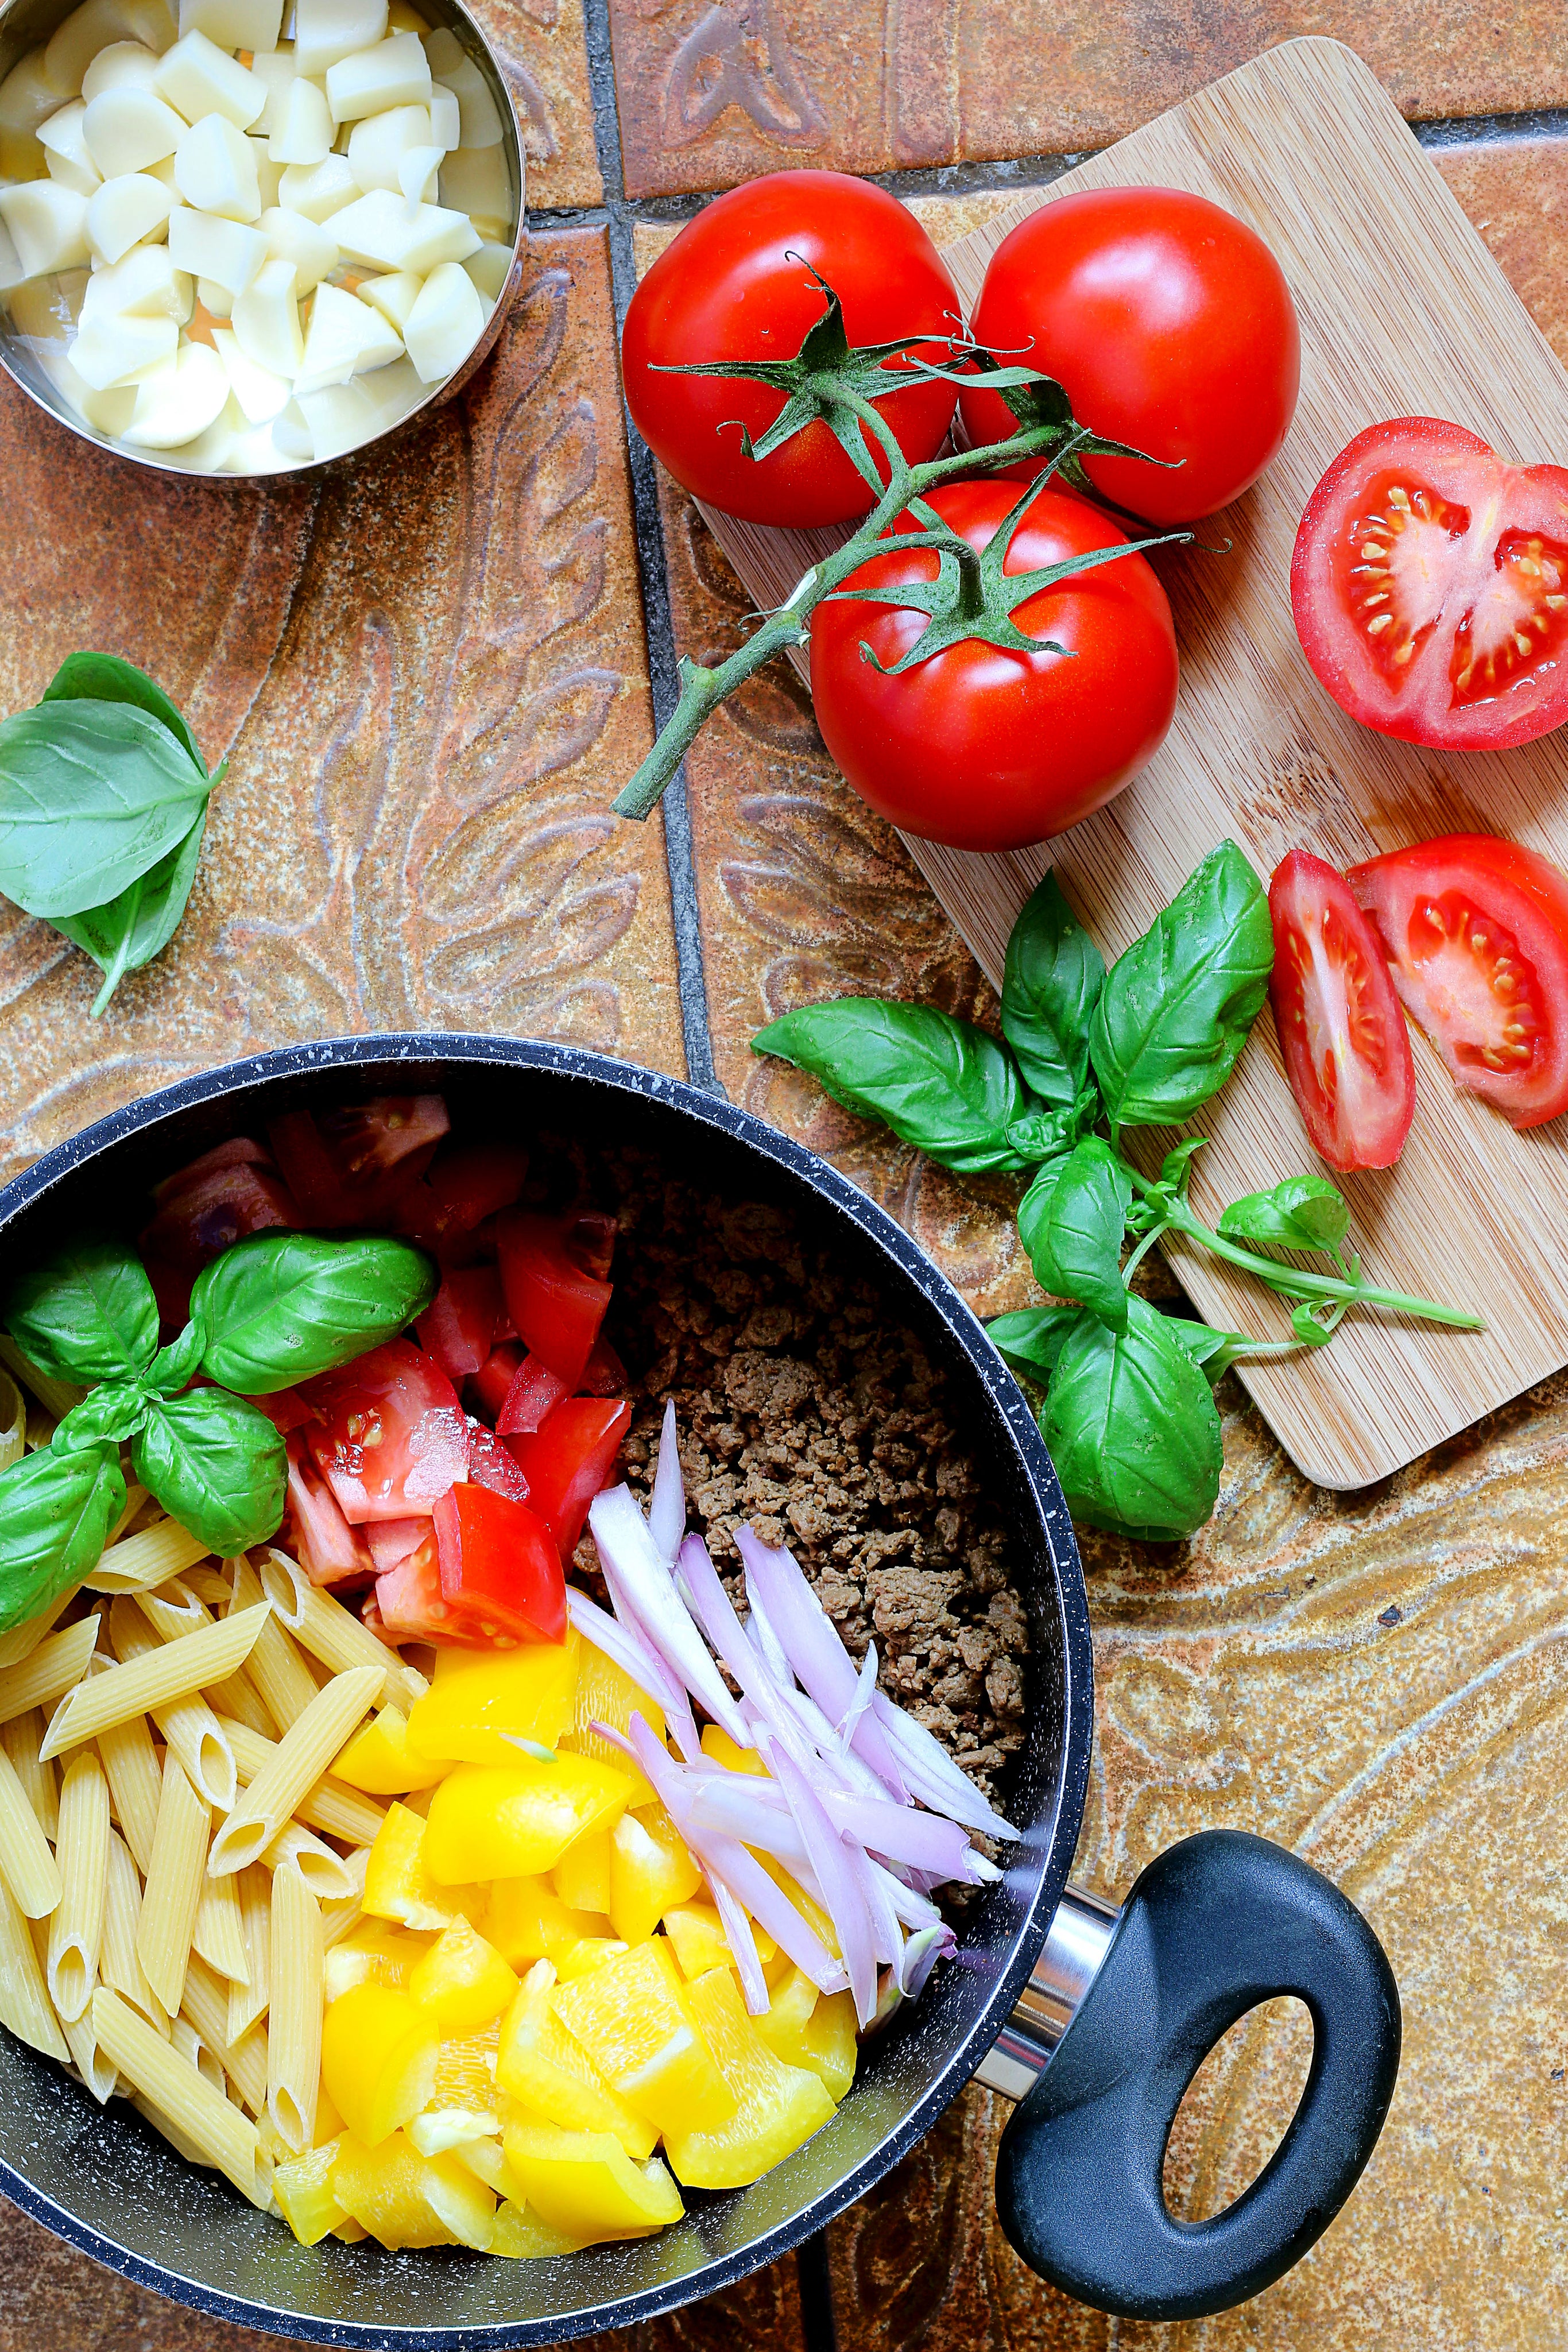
[811,1644]
[921,1954]
[844,1895]
[764,1640]
[933,1776]
[899,1833]
[626,1549]
[888,1928]
[625,1647]
[914,1908]
[667,1509]
[865,1691]
[737,1934]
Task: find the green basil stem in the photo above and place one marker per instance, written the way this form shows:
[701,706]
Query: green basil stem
[1291,1283]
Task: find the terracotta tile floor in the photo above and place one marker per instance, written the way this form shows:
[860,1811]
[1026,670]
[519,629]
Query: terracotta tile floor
[431,675]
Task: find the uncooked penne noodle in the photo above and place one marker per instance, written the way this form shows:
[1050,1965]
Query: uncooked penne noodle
[219,1932]
[248,2001]
[210,1581]
[138,1561]
[298,1762]
[176,2138]
[135,1783]
[331,1633]
[281,1674]
[24,1857]
[239,1701]
[20,1740]
[188,1725]
[331,1805]
[294,2020]
[25,2003]
[173,1887]
[23,1640]
[212,2123]
[244,2061]
[326,1874]
[173,1670]
[135,1499]
[39,1679]
[12,1422]
[184,2039]
[57,1397]
[120,1963]
[76,1924]
[174,1611]
[94,2065]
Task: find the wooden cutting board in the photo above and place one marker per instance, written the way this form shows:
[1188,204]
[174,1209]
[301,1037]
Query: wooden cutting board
[1403,312]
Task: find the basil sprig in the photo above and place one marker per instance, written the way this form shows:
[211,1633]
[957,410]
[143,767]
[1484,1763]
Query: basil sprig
[1128,1409]
[103,802]
[283,1307]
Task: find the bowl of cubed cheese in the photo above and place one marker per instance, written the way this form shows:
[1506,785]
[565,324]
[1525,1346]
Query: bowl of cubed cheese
[240,238]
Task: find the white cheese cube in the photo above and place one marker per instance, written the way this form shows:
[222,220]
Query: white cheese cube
[446,117]
[145,284]
[345,338]
[200,78]
[378,144]
[326,30]
[479,119]
[446,322]
[216,299]
[377,231]
[48,226]
[276,69]
[176,401]
[396,72]
[234,24]
[416,177]
[124,65]
[108,351]
[210,245]
[319,191]
[214,171]
[124,211]
[474,180]
[127,128]
[261,395]
[490,269]
[268,174]
[267,320]
[395,296]
[29,96]
[66,149]
[303,131]
[312,249]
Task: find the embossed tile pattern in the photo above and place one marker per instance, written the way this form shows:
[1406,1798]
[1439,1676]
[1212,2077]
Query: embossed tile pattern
[544,57]
[1516,192]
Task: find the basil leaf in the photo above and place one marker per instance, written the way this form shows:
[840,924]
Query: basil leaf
[56,1509]
[131,930]
[942,1084]
[1177,1007]
[1074,1230]
[114,1411]
[282,1306]
[176,1367]
[1132,1430]
[1304,1213]
[1214,1350]
[217,1465]
[1029,1342]
[1041,1135]
[87,1314]
[1050,984]
[104,677]
[91,794]
[1176,1168]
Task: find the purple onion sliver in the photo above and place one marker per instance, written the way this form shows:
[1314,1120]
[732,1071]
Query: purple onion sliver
[667,1507]
[844,1896]
[623,1646]
[812,1642]
[620,1532]
[743,1944]
[921,1955]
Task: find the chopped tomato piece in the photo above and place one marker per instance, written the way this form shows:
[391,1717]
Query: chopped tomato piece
[490,1464]
[532,1397]
[391,1436]
[242,1152]
[462,1188]
[459,1328]
[604,1374]
[351,1166]
[201,1213]
[392,1540]
[553,1272]
[500,1572]
[1341,1030]
[285,1408]
[569,1461]
[495,1377]
[328,1549]
[410,1605]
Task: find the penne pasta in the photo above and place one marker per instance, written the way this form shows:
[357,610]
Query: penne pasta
[184,2039]
[211,2123]
[40,1678]
[138,1561]
[94,2065]
[239,1701]
[188,1725]
[135,1782]
[25,2003]
[171,1671]
[285,1682]
[25,1858]
[244,2061]
[172,1610]
[119,1963]
[326,1874]
[247,2001]
[294,2020]
[331,1633]
[23,1640]
[219,1932]
[171,2132]
[20,1740]
[298,1762]
[331,1805]
[81,1853]
[173,1887]
[57,1397]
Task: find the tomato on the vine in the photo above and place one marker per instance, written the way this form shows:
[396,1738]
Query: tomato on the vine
[1340,1027]
[984,748]
[735,285]
[1169,326]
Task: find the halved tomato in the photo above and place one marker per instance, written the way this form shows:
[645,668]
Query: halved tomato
[553,1273]
[1341,1030]
[392,1437]
[1429,584]
[568,1460]
[409,1605]
[500,1573]
[534,1394]
[1475,931]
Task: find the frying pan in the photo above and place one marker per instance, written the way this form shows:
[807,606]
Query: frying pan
[1129,2000]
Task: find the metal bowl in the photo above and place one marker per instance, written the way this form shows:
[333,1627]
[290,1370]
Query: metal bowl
[26,23]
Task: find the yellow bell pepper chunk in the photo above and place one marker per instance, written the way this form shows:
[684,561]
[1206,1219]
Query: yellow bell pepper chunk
[525,1919]
[462,1981]
[380,1760]
[398,1884]
[777,2106]
[487,2161]
[634,2018]
[304,2190]
[810,1911]
[722,1748]
[552,2075]
[408,2200]
[464,2102]
[590,1952]
[650,1870]
[586,2185]
[817,2031]
[582,1876]
[513,1821]
[478,1696]
[697,1936]
[520,2233]
[379,2057]
[606,1695]
[372,1951]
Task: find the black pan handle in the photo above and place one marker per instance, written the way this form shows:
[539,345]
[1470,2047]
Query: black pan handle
[1215,1925]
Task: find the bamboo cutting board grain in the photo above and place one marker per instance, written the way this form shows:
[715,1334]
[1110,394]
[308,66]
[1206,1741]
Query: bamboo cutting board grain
[1403,312]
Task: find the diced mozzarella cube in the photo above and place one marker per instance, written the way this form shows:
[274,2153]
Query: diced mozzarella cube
[110,351]
[145,284]
[48,226]
[319,191]
[234,24]
[378,144]
[216,299]
[326,30]
[446,322]
[180,400]
[124,211]
[302,132]
[268,174]
[416,176]
[396,72]
[345,338]
[210,245]
[312,249]
[475,180]
[29,95]
[446,117]
[124,65]
[127,128]
[200,78]
[395,296]
[261,395]
[490,269]
[275,67]
[479,119]
[69,159]
[377,231]
[267,320]
[214,169]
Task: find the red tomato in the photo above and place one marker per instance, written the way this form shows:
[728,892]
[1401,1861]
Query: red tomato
[409,1604]
[1429,584]
[604,1374]
[286,1408]
[392,1541]
[328,1548]
[210,1205]
[495,1377]
[500,1572]
[1169,326]
[1476,933]
[553,1272]
[392,1437]
[535,1392]
[490,1464]
[735,285]
[1341,1030]
[459,1329]
[351,1166]
[987,750]
[569,1461]
[463,1187]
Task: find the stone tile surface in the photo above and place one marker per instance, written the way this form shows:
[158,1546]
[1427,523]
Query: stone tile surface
[543,54]
[1516,192]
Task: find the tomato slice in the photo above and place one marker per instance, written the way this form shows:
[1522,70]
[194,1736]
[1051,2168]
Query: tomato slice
[328,1548]
[1476,933]
[490,1464]
[459,1326]
[351,1166]
[464,1187]
[553,1272]
[1429,584]
[286,1408]
[392,1541]
[240,1151]
[206,1208]
[390,1437]
[1340,1027]
[500,1572]
[568,1460]
[534,1394]
[409,1603]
